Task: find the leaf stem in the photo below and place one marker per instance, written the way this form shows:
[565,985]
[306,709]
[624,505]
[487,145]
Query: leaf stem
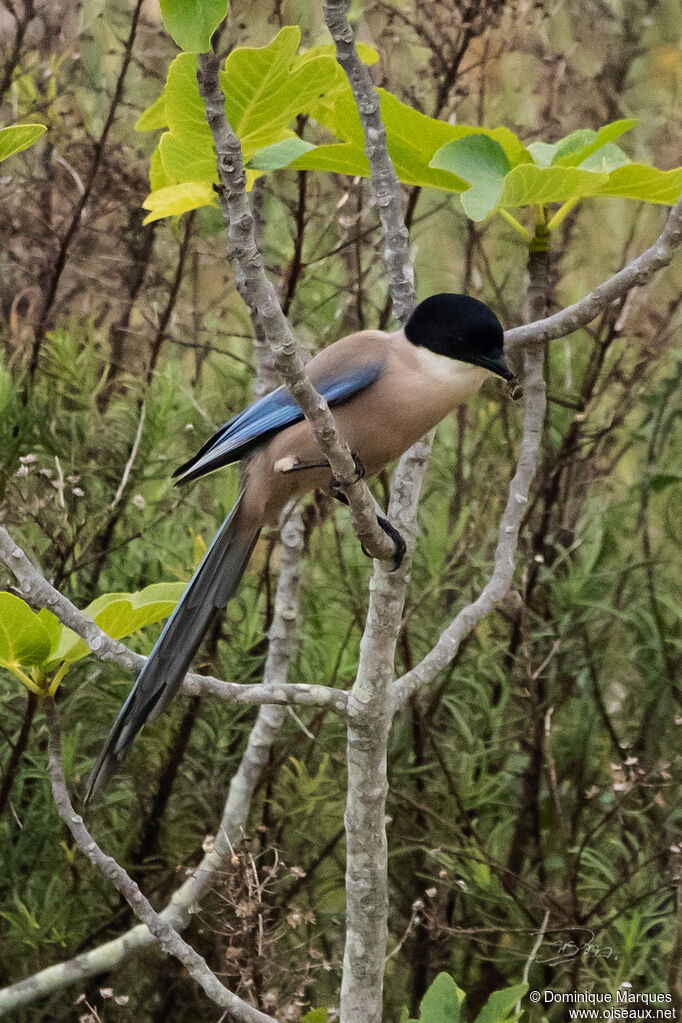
[562,213]
[518,227]
[54,684]
[23,677]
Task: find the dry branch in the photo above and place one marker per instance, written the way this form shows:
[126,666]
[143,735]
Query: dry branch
[164,933]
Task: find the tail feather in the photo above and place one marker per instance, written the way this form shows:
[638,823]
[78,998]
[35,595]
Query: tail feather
[211,587]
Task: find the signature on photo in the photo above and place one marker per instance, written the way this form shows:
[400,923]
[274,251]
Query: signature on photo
[581,941]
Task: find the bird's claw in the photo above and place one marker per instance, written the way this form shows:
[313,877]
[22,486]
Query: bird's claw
[335,488]
[514,389]
[395,536]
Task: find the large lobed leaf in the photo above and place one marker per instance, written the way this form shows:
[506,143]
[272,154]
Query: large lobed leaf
[27,639]
[584,164]
[267,87]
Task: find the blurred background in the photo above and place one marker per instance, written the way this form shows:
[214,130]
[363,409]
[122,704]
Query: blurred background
[542,770]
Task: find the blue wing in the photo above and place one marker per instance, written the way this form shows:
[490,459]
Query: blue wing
[265,417]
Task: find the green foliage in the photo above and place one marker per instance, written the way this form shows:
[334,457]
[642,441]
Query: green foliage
[315,1016]
[442,1003]
[265,89]
[268,87]
[191,23]
[17,137]
[40,641]
[584,164]
[27,640]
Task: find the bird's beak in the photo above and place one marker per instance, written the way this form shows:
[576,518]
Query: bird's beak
[499,366]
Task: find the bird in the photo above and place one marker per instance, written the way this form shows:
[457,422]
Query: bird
[387,390]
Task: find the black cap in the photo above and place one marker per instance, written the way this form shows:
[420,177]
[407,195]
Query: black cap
[460,327]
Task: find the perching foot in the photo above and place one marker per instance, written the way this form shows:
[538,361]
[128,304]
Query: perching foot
[335,487]
[400,545]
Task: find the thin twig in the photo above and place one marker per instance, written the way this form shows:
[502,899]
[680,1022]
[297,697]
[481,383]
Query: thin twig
[38,592]
[635,274]
[131,460]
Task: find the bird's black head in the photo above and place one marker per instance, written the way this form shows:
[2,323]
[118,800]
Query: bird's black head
[462,328]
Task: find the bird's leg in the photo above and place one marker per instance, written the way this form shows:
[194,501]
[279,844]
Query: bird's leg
[338,495]
[335,487]
[290,464]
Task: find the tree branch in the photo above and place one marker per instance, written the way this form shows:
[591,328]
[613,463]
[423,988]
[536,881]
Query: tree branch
[385,184]
[497,586]
[259,295]
[165,934]
[38,592]
[635,274]
[369,709]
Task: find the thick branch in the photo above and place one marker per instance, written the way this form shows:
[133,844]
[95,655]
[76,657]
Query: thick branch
[500,581]
[261,298]
[369,710]
[385,184]
[39,593]
[242,787]
[635,274]
[166,935]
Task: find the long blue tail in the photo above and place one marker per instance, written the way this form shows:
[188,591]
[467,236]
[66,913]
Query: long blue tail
[212,585]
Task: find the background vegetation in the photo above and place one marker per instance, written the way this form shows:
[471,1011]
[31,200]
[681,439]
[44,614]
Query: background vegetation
[543,770]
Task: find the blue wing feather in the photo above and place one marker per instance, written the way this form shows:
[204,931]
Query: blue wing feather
[266,416]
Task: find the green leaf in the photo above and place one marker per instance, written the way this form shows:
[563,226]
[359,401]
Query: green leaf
[482,162]
[53,628]
[528,185]
[442,1001]
[573,150]
[18,137]
[191,23]
[648,184]
[186,149]
[119,615]
[177,199]
[280,154]
[26,638]
[665,480]
[157,172]
[501,1005]
[315,1016]
[267,87]
[153,117]
[605,159]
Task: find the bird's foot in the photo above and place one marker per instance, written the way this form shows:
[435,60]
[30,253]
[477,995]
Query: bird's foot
[514,389]
[395,536]
[335,487]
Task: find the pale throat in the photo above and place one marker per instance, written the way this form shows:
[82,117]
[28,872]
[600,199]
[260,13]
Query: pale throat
[460,376]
